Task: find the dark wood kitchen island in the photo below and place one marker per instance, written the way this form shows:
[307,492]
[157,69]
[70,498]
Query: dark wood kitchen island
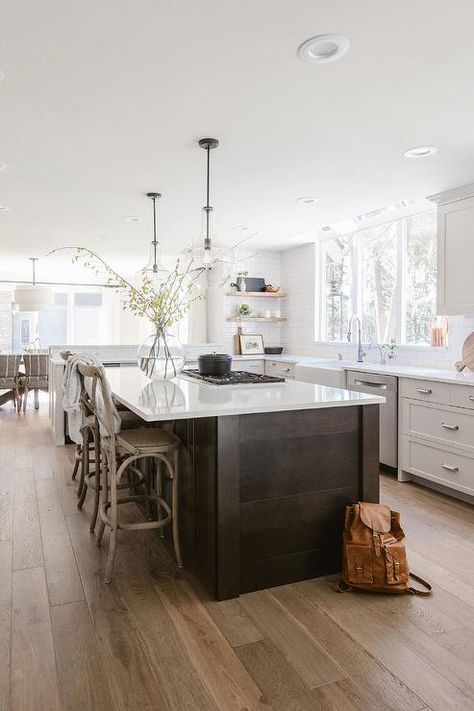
[265,473]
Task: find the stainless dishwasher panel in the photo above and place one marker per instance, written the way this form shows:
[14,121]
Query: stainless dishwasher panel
[387,386]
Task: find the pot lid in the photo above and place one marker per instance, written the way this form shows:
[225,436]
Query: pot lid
[215,356]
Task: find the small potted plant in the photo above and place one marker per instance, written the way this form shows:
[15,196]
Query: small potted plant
[245,310]
[390,351]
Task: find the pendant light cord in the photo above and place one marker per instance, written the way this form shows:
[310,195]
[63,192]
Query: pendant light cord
[155,242]
[155,197]
[208,144]
[208,207]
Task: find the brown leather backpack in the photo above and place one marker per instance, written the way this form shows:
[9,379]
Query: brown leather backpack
[374,555]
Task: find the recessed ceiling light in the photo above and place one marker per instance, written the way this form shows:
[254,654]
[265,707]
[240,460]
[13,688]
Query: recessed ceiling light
[323,48]
[308,200]
[420,152]
[131,218]
[4,208]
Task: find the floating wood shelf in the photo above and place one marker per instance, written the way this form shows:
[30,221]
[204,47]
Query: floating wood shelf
[266,294]
[259,319]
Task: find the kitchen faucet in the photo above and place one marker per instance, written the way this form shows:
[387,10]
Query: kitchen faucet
[360,352]
[382,354]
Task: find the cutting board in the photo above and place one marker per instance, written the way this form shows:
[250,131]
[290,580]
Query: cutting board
[467,354]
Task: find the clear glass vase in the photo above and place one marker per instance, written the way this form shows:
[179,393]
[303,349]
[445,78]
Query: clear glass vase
[161,356]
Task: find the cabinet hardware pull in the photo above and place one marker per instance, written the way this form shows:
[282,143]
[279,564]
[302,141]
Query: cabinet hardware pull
[286,370]
[449,468]
[450,427]
[370,385]
[471,397]
[424,391]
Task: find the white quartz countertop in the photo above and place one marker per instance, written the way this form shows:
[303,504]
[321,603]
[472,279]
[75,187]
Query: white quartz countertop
[442,375]
[183,399]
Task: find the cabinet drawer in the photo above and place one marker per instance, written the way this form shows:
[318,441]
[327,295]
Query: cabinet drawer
[280,369]
[425,390]
[462,396]
[450,469]
[445,425]
[252,366]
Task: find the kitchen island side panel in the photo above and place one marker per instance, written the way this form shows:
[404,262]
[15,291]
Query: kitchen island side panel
[269,493]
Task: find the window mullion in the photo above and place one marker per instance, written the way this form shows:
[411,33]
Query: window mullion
[401,280]
[356,281]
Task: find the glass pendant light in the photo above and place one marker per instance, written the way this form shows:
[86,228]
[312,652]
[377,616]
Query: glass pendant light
[211,261]
[155,270]
[33,297]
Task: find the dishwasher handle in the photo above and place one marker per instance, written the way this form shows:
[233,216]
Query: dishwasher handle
[368,384]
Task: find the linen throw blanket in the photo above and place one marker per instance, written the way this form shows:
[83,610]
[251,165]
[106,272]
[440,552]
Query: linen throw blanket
[72,396]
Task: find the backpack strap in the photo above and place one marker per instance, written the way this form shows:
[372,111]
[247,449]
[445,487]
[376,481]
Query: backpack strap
[414,591]
[341,586]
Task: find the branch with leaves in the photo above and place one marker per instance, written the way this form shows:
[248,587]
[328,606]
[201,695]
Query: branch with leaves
[164,304]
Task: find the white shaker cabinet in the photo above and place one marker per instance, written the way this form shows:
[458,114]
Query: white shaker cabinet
[437,434]
[455,251]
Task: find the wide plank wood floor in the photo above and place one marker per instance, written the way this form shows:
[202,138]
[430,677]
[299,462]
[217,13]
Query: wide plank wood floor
[154,640]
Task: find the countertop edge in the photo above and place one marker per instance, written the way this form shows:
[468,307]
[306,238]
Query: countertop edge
[371,400]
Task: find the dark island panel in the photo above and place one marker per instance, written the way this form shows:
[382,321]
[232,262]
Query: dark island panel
[281,527]
[298,453]
[262,497]
[290,569]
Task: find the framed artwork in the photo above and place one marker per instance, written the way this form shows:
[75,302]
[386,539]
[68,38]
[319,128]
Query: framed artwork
[251,344]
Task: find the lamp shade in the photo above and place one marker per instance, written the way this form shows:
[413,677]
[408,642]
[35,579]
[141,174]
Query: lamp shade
[33,298]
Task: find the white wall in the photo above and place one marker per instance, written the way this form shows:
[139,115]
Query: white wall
[298,267]
[265,264]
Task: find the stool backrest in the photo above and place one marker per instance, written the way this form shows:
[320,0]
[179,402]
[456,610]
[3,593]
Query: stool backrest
[97,396]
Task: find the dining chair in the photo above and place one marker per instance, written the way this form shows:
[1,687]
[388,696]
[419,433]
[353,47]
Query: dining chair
[36,376]
[10,378]
[121,451]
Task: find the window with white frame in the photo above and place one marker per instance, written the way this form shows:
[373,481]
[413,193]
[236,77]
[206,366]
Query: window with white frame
[385,274]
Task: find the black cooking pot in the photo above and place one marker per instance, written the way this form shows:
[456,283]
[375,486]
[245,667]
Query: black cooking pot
[214,364]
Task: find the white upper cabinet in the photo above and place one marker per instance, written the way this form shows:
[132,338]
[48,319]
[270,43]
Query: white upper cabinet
[455,251]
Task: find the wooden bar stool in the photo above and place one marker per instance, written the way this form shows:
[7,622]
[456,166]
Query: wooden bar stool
[120,452]
[87,455]
[91,477]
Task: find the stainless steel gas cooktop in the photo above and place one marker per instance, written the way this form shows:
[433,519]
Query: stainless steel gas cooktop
[236,377]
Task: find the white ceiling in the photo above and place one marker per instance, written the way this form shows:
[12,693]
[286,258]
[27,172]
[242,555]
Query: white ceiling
[104,101]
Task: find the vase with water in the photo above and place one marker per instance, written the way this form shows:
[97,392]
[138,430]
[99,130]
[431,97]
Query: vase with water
[161,356]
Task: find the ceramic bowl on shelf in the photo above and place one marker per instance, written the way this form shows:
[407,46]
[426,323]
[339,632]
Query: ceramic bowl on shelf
[270,289]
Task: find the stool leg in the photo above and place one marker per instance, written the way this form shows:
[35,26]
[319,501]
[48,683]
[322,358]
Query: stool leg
[97,478]
[159,492]
[105,495]
[82,488]
[37,403]
[113,516]
[174,511]
[78,458]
